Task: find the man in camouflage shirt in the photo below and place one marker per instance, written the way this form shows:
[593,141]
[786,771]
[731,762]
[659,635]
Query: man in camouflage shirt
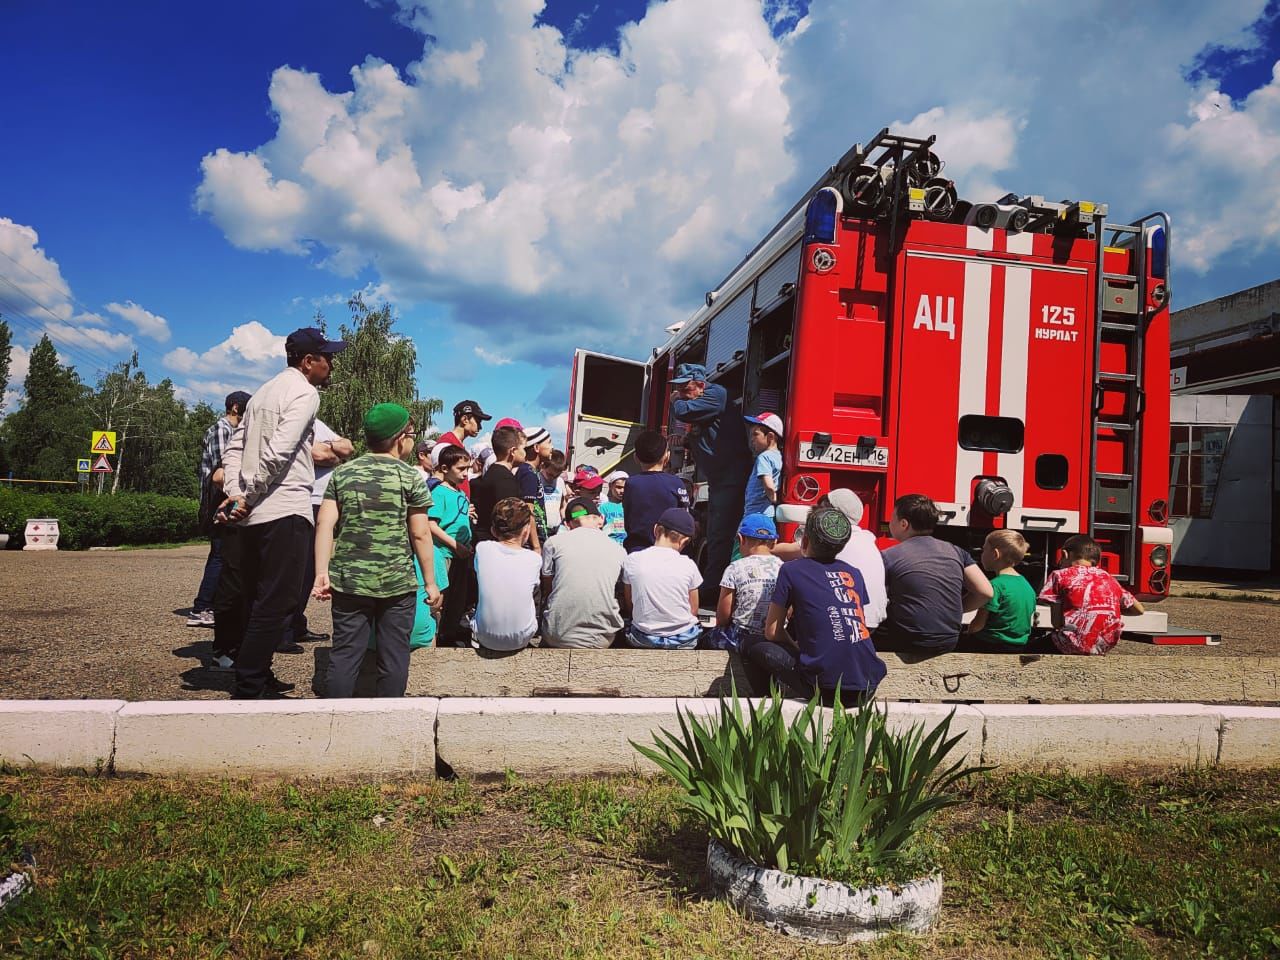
[378,505]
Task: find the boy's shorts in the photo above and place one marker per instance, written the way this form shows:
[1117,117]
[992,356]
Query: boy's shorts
[686,640]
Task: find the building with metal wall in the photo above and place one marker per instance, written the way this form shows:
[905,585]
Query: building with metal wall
[1224,486]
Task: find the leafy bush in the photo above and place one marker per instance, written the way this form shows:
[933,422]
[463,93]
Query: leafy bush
[844,804]
[86,520]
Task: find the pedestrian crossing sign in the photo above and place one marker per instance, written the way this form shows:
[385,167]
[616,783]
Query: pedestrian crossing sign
[102,464]
[82,465]
[104,441]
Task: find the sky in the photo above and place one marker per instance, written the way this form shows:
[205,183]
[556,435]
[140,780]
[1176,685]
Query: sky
[519,178]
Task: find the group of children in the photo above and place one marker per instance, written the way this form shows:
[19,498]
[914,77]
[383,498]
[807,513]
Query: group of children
[397,545]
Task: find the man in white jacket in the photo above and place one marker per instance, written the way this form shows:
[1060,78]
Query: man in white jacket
[268,478]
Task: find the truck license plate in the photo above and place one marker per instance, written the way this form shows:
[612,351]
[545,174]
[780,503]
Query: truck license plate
[844,455]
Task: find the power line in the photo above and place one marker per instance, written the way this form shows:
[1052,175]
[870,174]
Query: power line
[73,299]
[80,352]
[83,354]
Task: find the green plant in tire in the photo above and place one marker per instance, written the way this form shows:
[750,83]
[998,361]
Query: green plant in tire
[844,799]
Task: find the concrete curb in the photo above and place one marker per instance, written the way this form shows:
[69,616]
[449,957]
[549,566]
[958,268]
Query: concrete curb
[286,738]
[74,734]
[558,737]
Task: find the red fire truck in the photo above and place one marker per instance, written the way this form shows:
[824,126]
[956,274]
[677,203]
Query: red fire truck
[1009,360]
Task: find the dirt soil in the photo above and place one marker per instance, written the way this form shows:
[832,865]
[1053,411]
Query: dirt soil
[111,624]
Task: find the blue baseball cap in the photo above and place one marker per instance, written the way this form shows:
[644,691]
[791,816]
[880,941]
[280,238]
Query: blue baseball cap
[311,340]
[689,371]
[758,526]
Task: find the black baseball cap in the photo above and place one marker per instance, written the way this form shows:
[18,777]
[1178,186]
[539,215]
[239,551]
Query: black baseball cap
[469,408]
[677,521]
[580,507]
[311,340]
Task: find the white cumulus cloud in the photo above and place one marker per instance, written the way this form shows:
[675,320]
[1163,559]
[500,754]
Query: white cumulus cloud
[1224,164]
[144,321]
[492,357]
[553,197]
[505,171]
[31,282]
[250,356]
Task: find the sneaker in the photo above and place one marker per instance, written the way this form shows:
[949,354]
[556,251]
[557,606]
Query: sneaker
[276,685]
[222,664]
[200,618]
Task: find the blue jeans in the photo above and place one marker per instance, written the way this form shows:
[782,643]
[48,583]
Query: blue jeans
[686,640]
[212,568]
[768,664]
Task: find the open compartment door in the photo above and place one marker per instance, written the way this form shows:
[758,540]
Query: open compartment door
[606,411]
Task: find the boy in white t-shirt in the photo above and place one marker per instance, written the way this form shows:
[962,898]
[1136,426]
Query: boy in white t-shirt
[507,578]
[661,587]
[747,585]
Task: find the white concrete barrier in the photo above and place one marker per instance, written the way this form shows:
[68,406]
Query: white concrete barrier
[1084,736]
[546,738]
[557,737]
[58,733]
[1250,737]
[286,738]
[535,737]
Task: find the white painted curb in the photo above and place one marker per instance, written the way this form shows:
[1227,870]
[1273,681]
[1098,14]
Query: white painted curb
[1250,737]
[558,737]
[1096,736]
[286,738]
[76,734]
[537,737]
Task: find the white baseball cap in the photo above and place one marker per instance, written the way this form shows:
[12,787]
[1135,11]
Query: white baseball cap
[766,419]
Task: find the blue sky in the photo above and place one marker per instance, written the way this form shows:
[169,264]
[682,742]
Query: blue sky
[522,178]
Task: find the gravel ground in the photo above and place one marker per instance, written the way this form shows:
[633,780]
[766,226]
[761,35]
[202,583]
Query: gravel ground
[112,624]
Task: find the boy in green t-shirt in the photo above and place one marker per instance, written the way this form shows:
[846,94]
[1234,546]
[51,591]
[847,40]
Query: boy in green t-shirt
[1005,622]
[377,504]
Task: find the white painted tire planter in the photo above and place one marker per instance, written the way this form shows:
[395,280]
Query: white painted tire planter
[822,910]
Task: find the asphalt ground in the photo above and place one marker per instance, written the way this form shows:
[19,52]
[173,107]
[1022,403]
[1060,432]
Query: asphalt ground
[111,624]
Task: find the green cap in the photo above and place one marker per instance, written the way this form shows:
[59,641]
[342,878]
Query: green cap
[828,526]
[384,421]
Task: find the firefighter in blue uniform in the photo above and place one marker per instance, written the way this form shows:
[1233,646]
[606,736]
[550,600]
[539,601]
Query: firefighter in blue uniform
[718,438]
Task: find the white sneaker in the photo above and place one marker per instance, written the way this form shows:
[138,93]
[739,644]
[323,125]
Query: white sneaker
[223,664]
[203,618]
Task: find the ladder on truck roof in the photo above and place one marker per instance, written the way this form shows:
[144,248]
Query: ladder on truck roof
[1121,318]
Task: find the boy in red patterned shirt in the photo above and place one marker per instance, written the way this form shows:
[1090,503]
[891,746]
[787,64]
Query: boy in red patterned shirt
[1087,602]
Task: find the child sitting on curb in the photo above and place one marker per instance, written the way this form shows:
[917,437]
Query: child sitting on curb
[747,586]
[661,588]
[815,635]
[1004,623]
[1087,601]
[378,503]
[507,579]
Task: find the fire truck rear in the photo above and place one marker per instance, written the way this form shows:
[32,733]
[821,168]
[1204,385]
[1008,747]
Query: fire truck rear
[1010,360]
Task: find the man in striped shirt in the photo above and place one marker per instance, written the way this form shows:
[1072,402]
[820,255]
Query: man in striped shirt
[216,439]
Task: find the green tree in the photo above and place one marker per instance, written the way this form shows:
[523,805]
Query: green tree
[378,366]
[6,352]
[51,429]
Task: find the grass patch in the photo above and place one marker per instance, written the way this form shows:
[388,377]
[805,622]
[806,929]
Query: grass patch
[164,546]
[1035,866]
[1239,596]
